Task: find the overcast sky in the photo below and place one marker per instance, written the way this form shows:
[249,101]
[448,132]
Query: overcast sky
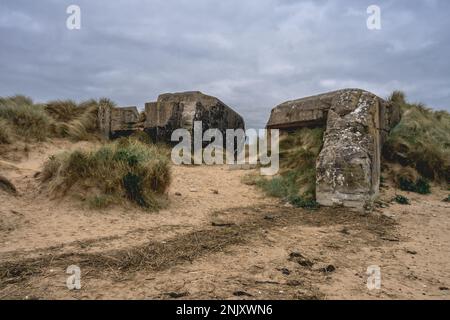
[252,54]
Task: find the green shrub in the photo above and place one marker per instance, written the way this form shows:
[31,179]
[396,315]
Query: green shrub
[133,187]
[127,156]
[300,202]
[421,185]
[401,199]
[124,169]
[406,184]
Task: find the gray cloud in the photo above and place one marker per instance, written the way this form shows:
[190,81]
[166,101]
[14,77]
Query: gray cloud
[251,54]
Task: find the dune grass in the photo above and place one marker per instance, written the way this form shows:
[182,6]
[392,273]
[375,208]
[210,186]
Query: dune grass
[296,181]
[77,122]
[421,140]
[122,170]
[28,121]
[5,132]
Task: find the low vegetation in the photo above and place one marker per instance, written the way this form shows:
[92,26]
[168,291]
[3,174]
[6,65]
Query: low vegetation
[21,119]
[5,132]
[421,185]
[25,119]
[296,182]
[420,141]
[401,200]
[101,201]
[122,170]
[301,202]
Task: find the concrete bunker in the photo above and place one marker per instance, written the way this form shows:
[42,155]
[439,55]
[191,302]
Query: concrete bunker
[356,125]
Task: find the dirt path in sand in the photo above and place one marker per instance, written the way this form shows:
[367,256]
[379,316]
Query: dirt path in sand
[256,248]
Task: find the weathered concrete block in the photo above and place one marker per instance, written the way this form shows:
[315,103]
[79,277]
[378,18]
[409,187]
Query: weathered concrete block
[104,119]
[348,167]
[172,111]
[357,123]
[180,110]
[310,111]
[118,122]
[124,121]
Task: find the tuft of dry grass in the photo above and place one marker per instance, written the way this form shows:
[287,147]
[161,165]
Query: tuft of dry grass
[124,169]
[77,122]
[298,155]
[6,136]
[297,179]
[20,118]
[62,110]
[29,121]
[421,140]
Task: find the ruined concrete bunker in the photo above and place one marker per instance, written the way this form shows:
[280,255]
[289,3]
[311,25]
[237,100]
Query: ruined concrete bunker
[356,125]
[171,111]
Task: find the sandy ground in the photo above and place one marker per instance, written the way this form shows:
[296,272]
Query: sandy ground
[218,238]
